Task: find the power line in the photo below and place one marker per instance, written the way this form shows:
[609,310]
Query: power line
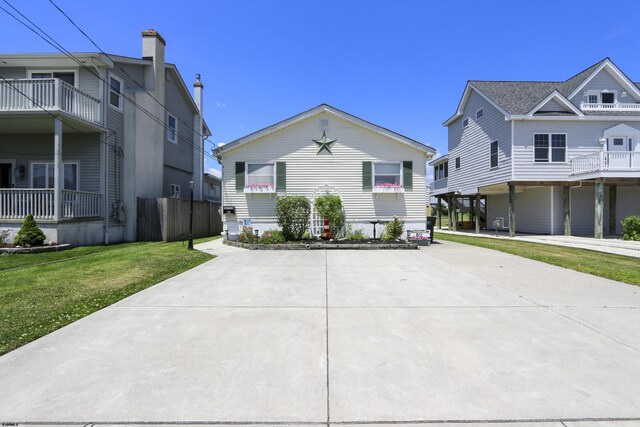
[140,85]
[60,48]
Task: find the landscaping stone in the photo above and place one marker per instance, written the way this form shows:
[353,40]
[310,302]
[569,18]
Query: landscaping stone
[35,249]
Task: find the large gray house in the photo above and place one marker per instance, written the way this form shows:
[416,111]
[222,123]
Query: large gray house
[82,136]
[545,157]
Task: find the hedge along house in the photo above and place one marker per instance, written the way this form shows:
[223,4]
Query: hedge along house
[376,172]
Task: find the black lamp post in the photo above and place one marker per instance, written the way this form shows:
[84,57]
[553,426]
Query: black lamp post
[190,245]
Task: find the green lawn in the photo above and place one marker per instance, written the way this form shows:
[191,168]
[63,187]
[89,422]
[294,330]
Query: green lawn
[40,293]
[615,267]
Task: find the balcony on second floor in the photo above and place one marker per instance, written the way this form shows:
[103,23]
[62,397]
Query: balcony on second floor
[38,95]
[614,106]
[607,164]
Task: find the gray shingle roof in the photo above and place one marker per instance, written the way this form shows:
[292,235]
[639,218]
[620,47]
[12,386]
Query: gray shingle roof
[519,97]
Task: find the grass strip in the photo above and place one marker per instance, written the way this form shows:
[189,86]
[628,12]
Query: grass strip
[615,267]
[43,296]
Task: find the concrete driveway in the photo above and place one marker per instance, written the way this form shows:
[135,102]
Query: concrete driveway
[448,334]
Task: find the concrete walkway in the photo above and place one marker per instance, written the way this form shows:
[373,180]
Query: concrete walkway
[615,246]
[450,334]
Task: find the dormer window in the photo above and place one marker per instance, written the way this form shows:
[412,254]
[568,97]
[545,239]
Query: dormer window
[593,99]
[608,97]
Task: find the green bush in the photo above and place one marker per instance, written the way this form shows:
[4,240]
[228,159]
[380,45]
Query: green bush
[330,206]
[272,237]
[247,236]
[293,216]
[393,229]
[29,234]
[631,228]
[306,235]
[355,233]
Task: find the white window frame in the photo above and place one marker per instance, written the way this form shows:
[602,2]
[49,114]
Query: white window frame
[173,140]
[497,154]
[550,147]
[174,191]
[120,95]
[440,172]
[400,174]
[598,94]
[465,123]
[247,185]
[32,163]
[480,114]
[30,71]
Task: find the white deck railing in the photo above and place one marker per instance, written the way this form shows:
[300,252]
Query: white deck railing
[17,203]
[605,107]
[48,94]
[606,161]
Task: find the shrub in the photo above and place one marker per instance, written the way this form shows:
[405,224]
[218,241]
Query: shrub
[393,229]
[355,233]
[29,234]
[330,206]
[4,234]
[247,235]
[306,235]
[293,216]
[272,237]
[631,228]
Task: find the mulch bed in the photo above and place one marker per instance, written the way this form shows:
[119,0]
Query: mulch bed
[35,249]
[326,244]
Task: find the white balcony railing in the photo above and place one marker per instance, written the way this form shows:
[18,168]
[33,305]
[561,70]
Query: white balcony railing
[606,161]
[609,106]
[17,203]
[48,94]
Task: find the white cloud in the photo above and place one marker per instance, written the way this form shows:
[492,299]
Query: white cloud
[220,144]
[221,104]
[215,172]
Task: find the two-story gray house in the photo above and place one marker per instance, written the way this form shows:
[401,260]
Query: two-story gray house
[547,157]
[83,135]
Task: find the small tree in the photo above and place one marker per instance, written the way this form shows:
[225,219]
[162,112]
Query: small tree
[631,228]
[30,234]
[293,216]
[330,206]
[393,229]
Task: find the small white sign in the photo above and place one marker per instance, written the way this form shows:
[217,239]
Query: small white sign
[419,234]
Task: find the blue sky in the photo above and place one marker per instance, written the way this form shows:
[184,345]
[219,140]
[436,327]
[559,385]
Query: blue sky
[400,64]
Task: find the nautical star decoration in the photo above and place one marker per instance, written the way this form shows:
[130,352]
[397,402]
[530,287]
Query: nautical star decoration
[324,143]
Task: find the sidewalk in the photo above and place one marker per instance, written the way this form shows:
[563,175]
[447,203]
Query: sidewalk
[608,245]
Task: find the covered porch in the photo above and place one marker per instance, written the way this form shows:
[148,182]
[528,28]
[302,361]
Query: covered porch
[53,167]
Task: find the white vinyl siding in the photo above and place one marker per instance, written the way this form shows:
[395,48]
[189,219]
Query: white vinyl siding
[475,168]
[308,171]
[581,138]
[603,81]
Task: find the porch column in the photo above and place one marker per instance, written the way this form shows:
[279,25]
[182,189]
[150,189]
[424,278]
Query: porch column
[512,210]
[449,211]
[58,171]
[599,209]
[454,226]
[613,201]
[566,204]
[476,211]
[439,213]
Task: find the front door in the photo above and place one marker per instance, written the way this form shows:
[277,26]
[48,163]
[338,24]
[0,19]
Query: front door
[616,146]
[6,170]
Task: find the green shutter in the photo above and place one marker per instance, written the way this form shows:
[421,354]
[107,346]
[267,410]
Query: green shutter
[239,176]
[407,171]
[366,175]
[281,176]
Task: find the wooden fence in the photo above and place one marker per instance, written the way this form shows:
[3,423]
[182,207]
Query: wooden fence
[167,219]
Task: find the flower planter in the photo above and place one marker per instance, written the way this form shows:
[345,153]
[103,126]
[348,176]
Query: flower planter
[259,189]
[387,189]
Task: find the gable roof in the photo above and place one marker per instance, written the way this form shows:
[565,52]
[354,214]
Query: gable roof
[324,108]
[522,97]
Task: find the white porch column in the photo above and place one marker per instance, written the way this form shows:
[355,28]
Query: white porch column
[58,171]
